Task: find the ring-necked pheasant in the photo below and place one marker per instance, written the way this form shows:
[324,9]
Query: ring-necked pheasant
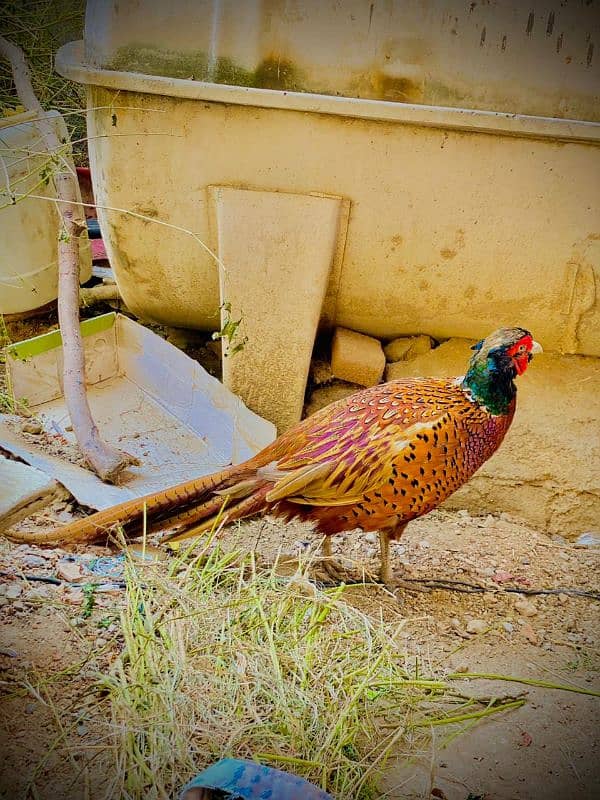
[374,461]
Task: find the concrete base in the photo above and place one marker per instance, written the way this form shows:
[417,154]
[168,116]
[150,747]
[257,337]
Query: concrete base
[547,470]
[280,253]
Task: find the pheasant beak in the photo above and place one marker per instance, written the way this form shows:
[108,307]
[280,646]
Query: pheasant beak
[536,348]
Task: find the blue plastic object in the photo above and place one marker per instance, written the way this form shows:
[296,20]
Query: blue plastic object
[247,780]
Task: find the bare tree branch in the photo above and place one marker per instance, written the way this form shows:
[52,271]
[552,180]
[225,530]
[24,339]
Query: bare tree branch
[107,461]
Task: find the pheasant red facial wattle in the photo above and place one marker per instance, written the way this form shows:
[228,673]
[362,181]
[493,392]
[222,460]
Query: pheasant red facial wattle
[373,461]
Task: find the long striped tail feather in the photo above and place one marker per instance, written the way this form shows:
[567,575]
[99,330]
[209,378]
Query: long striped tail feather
[177,506]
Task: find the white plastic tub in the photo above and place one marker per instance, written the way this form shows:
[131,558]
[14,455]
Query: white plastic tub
[29,227]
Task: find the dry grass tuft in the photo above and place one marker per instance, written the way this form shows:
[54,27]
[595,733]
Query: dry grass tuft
[222,658]
[40,27]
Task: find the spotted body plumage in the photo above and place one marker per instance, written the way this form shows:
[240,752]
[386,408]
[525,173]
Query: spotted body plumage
[394,452]
[373,461]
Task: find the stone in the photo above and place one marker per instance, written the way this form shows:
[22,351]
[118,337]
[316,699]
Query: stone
[320,372]
[68,571]
[530,634]
[542,472]
[33,561]
[32,426]
[13,590]
[477,626]
[74,597]
[405,348]
[38,593]
[357,358]
[329,394]
[526,608]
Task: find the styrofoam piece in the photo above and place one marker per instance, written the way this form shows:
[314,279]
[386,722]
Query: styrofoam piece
[29,227]
[23,490]
[147,397]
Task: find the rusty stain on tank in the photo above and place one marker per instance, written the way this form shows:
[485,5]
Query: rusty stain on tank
[448,253]
[550,25]
[482,39]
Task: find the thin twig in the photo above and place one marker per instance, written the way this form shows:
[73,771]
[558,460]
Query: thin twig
[463,586]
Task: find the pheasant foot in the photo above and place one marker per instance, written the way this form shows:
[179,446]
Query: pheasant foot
[334,570]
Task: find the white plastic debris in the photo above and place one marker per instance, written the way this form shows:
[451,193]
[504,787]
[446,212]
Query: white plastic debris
[147,398]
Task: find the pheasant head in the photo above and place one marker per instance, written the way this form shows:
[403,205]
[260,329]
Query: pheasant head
[498,359]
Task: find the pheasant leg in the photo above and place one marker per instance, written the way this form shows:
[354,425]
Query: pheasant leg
[385,571]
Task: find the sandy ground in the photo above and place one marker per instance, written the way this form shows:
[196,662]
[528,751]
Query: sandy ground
[547,749]
[51,745]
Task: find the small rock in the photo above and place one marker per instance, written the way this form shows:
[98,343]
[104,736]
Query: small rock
[100,642]
[588,539]
[68,571]
[530,634]
[42,592]
[357,358]
[18,606]
[371,538]
[563,598]
[508,627]
[327,394]
[74,597]
[13,590]
[477,626]
[33,561]
[76,622]
[405,348]
[320,372]
[526,608]
[32,426]
[397,349]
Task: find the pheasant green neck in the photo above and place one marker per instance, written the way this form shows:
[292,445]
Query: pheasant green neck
[492,388]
